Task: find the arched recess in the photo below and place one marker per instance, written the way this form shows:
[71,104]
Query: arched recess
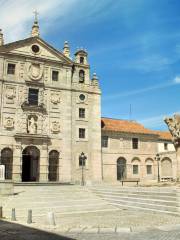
[149,163]
[30,164]
[7,160]
[81,76]
[136,163]
[53,165]
[121,168]
[166,167]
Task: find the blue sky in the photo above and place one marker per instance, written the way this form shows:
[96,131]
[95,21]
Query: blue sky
[133,46]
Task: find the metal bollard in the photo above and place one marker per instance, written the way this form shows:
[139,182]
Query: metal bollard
[29,219]
[51,219]
[13,215]
[1,212]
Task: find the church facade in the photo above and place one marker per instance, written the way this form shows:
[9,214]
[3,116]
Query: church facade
[50,112]
[51,127]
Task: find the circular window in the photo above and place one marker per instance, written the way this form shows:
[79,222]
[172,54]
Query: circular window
[82,97]
[35,48]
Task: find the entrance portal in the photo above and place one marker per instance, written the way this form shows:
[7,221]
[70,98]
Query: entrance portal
[30,164]
[121,168]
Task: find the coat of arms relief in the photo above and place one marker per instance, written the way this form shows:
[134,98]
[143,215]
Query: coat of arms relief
[35,71]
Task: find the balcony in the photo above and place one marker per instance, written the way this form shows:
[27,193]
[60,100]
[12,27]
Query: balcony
[33,107]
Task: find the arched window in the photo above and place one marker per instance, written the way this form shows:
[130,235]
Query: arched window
[82,60]
[53,165]
[149,166]
[166,167]
[7,160]
[81,76]
[135,166]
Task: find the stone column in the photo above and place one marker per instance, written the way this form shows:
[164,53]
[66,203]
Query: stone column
[17,163]
[43,164]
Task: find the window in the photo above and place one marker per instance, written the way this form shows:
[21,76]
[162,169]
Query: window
[81,132]
[82,162]
[33,96]
[81,112]
[81,76]
[104,141]
[165,146]
[135,143]
[82,97]
[82,60]
[149,169]
[135,169]
[35,48]
[55,75]
[11,69]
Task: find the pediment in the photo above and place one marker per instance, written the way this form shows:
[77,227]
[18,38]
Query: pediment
[46,51]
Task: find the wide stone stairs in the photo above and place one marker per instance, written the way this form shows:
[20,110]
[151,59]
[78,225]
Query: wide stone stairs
[61,200]
[156,199]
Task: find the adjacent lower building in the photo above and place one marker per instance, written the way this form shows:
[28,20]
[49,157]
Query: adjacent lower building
[51,126]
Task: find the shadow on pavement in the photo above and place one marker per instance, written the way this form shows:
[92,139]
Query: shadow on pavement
[15,231]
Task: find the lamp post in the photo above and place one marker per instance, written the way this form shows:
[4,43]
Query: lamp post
[157,158]
[82,159]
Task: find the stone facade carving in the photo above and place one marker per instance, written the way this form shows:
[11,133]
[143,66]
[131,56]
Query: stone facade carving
[35,71]
[55,128]
[10,94]
[32,125]
[55,98]
[174,128]
[9,123]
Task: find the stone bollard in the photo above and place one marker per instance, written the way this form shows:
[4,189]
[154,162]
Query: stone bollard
[1,212]
[51,219]
[13,215]
[29,219]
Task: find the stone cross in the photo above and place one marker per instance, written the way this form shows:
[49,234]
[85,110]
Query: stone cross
[36,15]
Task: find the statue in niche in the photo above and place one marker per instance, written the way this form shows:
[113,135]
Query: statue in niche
[32,125]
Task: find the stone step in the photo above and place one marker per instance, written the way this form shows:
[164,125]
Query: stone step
[131,202]
[143,195]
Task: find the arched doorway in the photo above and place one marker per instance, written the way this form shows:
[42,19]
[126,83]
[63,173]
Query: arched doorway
[53,165]
[7,160]
[166,167]
[121,168]
[30,164]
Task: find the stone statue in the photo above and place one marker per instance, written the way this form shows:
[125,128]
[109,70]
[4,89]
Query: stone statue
[32,126]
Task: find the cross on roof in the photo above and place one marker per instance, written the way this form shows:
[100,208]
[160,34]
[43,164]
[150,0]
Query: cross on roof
[36,15]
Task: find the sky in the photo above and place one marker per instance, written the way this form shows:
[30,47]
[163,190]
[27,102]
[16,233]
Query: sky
[133,46]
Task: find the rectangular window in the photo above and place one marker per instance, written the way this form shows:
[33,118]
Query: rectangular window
[149,169]
[33,96]
[55,75]
[135,143]
[165,146]
[81,132]
[81,112]
[135,169]
[11,68]
[104,141]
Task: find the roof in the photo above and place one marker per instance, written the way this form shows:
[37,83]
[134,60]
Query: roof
[164,135]
[117,125]
[125,126]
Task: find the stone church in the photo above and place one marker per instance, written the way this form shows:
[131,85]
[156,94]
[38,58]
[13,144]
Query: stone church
[51,127]
[50,112]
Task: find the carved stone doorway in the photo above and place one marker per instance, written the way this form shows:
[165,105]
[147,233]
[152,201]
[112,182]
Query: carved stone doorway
[30,164]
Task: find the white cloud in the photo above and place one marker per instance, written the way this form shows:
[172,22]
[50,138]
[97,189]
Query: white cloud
[17,16]
[177,79]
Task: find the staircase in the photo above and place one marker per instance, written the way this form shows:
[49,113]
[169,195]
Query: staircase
[62,200]
[156,199]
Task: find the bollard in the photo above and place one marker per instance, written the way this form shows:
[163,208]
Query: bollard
[51,219]
[13,215]
[29,219]
[1,212]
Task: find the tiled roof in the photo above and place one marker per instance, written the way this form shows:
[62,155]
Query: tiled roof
[118,125]
[164,135]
